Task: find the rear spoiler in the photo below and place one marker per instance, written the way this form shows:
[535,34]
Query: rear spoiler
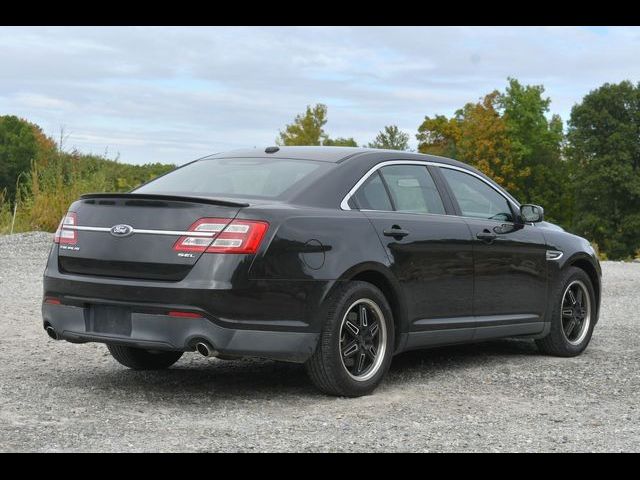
[170,198]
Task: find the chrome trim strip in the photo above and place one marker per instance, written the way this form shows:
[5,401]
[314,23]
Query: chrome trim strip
[177,233]
[497,222]
[407,213]
[344,205]
[554,254]
[88,229]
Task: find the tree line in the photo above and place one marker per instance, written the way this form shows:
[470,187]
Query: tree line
[585,173]
[39,179]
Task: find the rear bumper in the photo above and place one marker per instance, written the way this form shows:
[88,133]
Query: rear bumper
[162,332]
[274,319]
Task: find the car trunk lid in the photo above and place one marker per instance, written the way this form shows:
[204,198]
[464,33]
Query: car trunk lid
[132,235]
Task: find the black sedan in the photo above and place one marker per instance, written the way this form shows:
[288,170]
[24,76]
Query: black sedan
[338,258]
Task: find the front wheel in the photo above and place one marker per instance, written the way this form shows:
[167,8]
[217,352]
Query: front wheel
[356,342]
[141,359]
[573,315]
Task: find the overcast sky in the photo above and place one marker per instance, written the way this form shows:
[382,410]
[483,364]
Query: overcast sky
[174,94]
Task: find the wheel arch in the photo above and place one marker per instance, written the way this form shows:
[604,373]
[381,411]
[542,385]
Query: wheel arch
[381,277]
[586,264]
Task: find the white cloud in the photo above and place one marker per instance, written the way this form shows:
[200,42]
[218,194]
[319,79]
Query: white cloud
[38,101]
[173,94]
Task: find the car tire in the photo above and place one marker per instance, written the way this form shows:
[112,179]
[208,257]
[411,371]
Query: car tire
[355,348]
[572,321]
[141,359]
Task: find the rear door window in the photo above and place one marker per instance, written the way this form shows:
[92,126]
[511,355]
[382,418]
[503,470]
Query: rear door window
[373,195]
[412,189]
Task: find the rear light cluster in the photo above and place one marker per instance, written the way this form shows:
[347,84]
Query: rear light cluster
[183,314]
[64,235]
[223,235]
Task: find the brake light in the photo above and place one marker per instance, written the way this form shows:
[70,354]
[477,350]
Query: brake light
[65,235]
[223,235]
[52,301]
[240,236]
[181,314]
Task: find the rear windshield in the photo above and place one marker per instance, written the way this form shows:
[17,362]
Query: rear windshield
[236,177]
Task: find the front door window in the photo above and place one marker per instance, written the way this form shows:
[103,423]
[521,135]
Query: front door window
[475,198]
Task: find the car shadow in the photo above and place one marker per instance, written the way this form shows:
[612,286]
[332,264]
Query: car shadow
[461,356]
[444,361]
[195,379]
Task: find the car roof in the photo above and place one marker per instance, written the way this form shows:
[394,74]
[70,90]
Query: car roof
[321,154]
[357,157]
[329,154]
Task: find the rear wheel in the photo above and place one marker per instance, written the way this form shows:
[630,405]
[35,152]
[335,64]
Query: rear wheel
[572,316]
[356,342]
[141,359]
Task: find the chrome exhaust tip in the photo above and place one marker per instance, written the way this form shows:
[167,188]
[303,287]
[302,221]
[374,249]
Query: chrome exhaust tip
[205,349]
[51,332]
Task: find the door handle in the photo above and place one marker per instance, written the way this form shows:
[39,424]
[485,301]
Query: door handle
[486,236]
[395,232]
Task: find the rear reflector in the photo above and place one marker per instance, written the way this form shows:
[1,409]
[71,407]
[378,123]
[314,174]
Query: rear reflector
[177,313]
[65,235]
[52,300]
[227,236]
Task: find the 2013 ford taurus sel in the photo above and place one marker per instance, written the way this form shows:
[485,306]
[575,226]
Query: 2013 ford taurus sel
[338,258]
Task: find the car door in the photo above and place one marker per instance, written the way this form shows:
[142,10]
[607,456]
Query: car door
[430,251]
[510,266]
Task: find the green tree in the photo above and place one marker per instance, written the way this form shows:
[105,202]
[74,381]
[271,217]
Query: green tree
[21,142]
[477,135]
[50,179]
[536,145]
[507,136]
[439,136]
[391,138]
[340,142]
[306,129]
[604,150]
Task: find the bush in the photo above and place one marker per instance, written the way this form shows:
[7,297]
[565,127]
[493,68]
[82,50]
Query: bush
[602,256]
[54,182]
[5,214]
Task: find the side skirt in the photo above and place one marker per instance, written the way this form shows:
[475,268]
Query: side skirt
[448,331]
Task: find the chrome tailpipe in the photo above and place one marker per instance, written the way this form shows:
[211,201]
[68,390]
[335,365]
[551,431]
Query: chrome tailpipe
[206,350]
[51,332]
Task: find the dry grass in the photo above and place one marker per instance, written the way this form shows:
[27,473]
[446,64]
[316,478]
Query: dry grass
[52,184]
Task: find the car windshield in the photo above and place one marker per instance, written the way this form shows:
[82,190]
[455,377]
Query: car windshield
[235,177]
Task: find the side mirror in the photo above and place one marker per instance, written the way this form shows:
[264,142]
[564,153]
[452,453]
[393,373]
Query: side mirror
[531,213]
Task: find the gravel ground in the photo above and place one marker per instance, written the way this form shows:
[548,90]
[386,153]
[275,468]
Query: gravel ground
[496,396]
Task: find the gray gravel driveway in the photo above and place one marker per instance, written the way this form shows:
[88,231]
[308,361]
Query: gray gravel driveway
[497,396]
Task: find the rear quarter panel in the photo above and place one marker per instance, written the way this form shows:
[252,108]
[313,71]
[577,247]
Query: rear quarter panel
[315,244]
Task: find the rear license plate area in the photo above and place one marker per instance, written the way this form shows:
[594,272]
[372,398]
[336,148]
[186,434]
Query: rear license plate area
[109,319]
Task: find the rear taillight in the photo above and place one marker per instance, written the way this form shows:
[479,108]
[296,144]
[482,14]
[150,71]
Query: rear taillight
[223,235]
[240,236]
[66,235]
[207,229]
[182,314]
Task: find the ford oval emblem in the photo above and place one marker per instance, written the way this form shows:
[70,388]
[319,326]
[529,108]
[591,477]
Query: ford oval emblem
[121,230]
